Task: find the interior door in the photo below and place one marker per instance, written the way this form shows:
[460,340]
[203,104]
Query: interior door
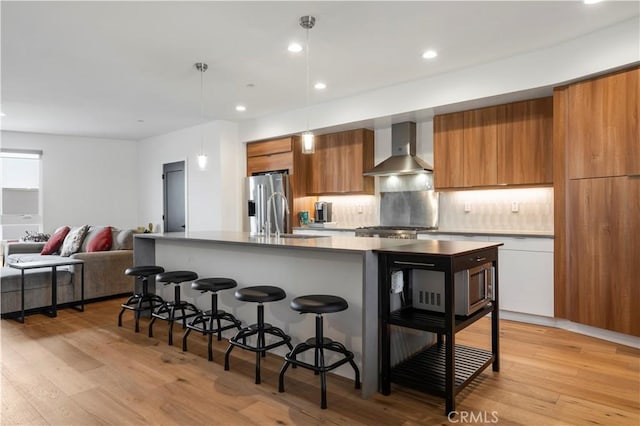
[173,196]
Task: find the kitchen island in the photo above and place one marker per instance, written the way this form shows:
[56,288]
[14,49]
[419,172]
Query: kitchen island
[342,266]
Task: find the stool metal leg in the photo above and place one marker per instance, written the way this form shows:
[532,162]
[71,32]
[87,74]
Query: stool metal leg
[320,360]
[260,340]
[319,343]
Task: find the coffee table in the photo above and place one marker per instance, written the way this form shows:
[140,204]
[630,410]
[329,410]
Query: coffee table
[53,263]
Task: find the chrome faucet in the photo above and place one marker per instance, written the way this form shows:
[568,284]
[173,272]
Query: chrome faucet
[286,208]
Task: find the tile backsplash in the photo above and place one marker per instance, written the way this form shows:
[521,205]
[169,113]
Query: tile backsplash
[353,211]
[488,210]
[529,209]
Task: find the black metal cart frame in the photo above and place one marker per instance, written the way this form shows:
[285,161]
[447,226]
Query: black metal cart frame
[444,368]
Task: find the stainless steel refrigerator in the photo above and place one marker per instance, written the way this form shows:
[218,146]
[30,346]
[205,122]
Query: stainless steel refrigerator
[260,189]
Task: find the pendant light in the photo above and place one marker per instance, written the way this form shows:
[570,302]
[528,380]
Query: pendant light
[202,157]
[308,145]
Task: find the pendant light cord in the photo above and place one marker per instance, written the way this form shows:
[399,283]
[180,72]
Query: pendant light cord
[307,64]
[202,69]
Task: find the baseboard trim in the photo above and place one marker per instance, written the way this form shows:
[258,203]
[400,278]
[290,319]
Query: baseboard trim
[599,333]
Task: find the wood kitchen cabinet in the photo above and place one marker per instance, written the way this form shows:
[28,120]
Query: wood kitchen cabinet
[510,144]
[448,148]
[270,155]
[603,126]
[525,142]
[339,161]
[480,147]
[604,243]
[597,200]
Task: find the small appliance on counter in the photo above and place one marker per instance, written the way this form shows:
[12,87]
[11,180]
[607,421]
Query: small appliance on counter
[322,212]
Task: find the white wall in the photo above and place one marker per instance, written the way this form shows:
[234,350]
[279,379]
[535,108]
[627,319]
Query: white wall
[84,180]
[609,48]
[214,196]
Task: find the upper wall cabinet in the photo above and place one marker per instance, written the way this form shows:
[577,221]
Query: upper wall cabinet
[480,147]
[270,155]
[603,124]
[525,144]
[507,144]
[448,150]
[339,161]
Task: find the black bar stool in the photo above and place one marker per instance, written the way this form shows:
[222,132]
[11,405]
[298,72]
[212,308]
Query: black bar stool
[319,304]
[258,294]
[144,301]
[167,311]
[203,322]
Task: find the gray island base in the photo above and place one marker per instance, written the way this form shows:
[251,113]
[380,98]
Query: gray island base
[342,266]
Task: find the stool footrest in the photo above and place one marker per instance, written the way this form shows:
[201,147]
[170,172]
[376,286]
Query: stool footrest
[200,323]
[247,332]
[332,346]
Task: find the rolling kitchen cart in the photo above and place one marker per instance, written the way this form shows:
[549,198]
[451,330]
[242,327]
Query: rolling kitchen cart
[444,368]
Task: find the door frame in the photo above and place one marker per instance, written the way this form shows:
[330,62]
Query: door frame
[186,192]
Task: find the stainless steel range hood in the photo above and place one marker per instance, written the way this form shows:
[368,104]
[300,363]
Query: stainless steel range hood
[403,160]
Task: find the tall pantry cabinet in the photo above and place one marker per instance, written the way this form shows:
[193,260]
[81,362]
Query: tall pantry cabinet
[597,201]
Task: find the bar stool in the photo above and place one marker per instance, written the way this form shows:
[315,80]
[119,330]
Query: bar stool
[140,302]
[258,294]
[319,304]
[167,311]
[203,321]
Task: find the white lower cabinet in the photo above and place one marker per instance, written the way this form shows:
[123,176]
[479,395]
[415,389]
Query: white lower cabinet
[526,275]
[525,268]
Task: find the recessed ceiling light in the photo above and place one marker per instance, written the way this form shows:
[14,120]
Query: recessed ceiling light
[320,86]
[2,114]
[294,48]
[241,108]
[430,54]
[591,1]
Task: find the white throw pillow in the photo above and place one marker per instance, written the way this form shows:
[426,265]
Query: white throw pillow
[73,240]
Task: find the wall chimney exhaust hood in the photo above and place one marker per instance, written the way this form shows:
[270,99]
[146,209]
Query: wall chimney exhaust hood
[403,160]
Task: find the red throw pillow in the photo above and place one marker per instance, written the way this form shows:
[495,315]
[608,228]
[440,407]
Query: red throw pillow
[102,241]
[55,242]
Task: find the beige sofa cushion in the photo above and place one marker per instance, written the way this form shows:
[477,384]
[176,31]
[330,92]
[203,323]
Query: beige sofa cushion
[122,239]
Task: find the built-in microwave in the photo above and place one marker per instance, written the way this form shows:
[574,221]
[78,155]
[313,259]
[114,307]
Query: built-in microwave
[473,289]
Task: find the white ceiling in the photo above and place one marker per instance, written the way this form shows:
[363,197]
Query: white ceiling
[97,68]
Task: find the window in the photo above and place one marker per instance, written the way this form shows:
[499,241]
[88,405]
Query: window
[20,201]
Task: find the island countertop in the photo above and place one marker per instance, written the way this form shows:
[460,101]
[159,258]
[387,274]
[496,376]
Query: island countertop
[343,266]
[331,243]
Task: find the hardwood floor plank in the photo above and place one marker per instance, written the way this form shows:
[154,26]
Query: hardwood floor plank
[15,409]
[80,369]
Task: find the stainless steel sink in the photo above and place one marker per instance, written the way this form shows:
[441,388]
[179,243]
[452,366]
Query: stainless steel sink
[294,236]
[301,236]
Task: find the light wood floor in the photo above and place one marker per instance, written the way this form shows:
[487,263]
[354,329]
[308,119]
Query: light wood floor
[81,369]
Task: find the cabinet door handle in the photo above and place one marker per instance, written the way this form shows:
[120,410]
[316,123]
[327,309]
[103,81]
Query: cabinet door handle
[480,259]
[430,265]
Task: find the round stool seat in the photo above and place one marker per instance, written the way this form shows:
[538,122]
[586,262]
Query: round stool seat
[319,304]
[213,284]
[176,276]
[144,271]
[260,294]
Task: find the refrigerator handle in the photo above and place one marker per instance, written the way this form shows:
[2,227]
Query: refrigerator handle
[261,209]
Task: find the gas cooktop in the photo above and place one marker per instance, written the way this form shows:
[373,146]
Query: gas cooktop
[397,228]
[403,232]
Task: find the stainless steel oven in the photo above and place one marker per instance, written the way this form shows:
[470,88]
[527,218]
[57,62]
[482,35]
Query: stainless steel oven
[473,289]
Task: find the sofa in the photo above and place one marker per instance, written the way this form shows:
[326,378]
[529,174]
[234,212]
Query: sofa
[103,272]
